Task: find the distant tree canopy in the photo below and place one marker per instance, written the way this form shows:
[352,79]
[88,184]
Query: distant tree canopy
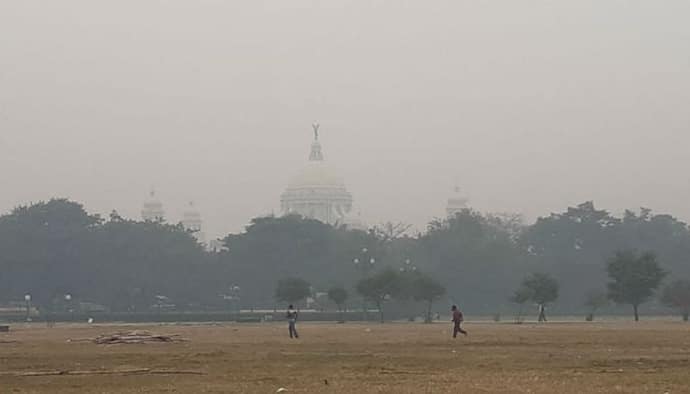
[379,288]
[542,288]
[539,287]
[594,300]
[53,248]
[677,295]
[521,296]
[426,289]
[292,290]
[633,278]
[573,244]
[338,294]
[474,257]
[272,248]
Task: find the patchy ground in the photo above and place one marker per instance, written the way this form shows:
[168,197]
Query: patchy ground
[352,358]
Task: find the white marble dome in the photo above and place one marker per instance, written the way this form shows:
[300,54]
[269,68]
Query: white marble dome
[317,174]
[317,191]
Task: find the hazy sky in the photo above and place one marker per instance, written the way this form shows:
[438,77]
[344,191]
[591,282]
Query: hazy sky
[532,105]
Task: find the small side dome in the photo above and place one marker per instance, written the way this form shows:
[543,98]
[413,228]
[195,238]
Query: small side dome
[153,209]
[456,203]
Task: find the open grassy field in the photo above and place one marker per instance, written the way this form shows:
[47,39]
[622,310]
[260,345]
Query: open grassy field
[595,357]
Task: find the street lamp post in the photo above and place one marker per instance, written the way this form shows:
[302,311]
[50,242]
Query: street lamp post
[364,265]
[27,299]
[68,302]
[235,292]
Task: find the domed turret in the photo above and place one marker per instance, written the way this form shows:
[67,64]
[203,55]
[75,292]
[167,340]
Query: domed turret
[153,209]
[456,203]
[191,220]
[317,192]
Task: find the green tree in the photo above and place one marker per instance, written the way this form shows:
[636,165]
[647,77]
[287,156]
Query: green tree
[469,246]
[379,288]
[543,289]
[427,289]
[338,295]
[54,248]
[292,290]
[46,250]
[677,295]
[521,296]
[565,244]
[272,248]
[634,278]
[594,300]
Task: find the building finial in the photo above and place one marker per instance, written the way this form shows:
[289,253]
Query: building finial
[315,154]
[315,126]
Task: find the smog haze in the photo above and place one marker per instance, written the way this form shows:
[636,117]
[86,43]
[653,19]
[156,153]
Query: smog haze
[530,106]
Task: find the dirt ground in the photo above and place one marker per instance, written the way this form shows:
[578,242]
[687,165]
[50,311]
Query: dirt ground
[595,357]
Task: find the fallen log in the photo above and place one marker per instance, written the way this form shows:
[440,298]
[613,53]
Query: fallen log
[174,372]
[31,373]
[133,371]
[110,372]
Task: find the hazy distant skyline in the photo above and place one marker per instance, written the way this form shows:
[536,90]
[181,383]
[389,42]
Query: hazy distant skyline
[531,106]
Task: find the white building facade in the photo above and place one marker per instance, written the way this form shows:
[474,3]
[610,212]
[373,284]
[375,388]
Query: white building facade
[317,192]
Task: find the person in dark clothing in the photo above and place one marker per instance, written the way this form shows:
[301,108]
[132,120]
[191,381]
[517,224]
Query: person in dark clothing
[542,313]
[457,321]
[291,316]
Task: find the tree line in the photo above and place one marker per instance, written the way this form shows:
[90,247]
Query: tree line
[53,248]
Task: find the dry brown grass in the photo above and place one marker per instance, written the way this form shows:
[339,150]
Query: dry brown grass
[359,358]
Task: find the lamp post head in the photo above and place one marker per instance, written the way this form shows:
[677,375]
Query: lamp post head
[364,250]
[68,297]
[27,297]
[356,261]
[372,261]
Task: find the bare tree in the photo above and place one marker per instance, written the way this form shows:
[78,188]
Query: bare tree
[389,230]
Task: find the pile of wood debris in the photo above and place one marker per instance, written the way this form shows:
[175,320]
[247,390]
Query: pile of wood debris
[129,337]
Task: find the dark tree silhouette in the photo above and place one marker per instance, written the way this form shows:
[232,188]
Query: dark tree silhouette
[379,288]
[594,300]
[427,289]
[292,290]
[633,278]
[338,295]
[677,295]
[540,288]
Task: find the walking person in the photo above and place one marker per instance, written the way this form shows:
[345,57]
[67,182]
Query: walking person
[542,313]
[457,321]
[292,320]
